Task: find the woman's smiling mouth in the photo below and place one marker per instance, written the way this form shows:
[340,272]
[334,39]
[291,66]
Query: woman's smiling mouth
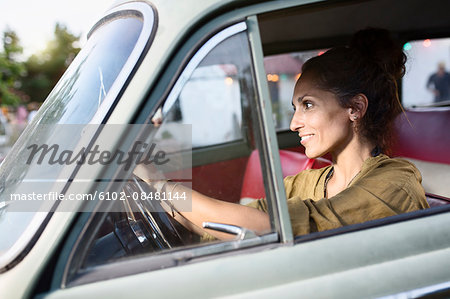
[305,138]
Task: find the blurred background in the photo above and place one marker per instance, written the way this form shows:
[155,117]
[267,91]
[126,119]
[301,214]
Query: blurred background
[39,40]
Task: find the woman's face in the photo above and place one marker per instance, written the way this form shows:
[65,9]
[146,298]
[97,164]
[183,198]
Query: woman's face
[322,124]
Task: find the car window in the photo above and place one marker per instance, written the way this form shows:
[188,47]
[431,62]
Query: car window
[281,84]
[427,78]
[210,98]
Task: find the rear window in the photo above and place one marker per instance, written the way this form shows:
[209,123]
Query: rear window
[427,79]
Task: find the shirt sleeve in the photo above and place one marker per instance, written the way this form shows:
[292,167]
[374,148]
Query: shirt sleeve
[260,204]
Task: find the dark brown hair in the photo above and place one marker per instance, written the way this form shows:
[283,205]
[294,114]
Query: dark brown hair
[370,65]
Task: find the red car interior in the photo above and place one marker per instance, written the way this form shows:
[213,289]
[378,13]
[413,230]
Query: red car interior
[291,163]
[424,135]
[222,180]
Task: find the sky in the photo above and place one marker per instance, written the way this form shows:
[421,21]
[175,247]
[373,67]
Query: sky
[34,20]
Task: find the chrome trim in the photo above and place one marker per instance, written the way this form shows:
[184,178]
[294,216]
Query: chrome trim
[148,16]
[241,233]
[196,59]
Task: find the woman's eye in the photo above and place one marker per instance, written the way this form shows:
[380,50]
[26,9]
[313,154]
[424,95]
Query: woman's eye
[307,105]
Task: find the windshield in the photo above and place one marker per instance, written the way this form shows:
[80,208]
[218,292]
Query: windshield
[83,95]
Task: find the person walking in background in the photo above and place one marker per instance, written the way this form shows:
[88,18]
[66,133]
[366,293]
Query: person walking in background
[439,84]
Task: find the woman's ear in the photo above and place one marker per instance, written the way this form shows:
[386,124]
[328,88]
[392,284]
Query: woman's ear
[359,107]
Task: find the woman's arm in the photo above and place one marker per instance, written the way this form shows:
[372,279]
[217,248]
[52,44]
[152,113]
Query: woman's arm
[205,208]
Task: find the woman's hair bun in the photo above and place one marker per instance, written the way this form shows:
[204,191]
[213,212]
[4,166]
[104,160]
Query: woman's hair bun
[377,45]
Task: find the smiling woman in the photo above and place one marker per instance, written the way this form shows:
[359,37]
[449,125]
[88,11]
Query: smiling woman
[345,104]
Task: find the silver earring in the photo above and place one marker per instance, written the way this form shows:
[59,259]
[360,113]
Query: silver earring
[355,117]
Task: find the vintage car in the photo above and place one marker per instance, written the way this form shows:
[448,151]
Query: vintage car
[211,82]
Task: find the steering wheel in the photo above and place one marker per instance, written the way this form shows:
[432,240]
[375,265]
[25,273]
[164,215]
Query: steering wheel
[152,227]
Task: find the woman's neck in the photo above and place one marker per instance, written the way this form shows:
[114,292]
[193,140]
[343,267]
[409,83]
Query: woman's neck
[347,163]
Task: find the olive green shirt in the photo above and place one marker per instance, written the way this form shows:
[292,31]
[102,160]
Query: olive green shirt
[384,187]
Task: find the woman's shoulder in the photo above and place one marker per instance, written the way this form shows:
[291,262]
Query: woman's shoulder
[396,164]
[391,178]
[392,167]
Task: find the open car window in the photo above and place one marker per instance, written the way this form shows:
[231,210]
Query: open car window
[427,79]
[429,156]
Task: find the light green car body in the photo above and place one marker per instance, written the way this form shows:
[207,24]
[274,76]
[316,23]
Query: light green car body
[403,259]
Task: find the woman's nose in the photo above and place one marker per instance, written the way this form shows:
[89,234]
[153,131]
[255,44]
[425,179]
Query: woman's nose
[296,122]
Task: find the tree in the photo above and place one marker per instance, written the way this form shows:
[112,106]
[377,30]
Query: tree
[11,70]
[46,68]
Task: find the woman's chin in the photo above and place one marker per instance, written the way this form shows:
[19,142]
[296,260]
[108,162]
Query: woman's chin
[313,154]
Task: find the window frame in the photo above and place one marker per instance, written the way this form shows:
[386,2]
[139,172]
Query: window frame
[287,140]
[238,146]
